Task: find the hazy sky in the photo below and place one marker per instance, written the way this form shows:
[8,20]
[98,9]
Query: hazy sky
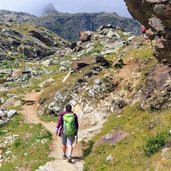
[35,6]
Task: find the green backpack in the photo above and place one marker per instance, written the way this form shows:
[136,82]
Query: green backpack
[69,124]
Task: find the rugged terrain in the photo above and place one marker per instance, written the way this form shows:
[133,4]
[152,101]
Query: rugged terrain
[68,25]
[26,41]
[156,16]
[122,96]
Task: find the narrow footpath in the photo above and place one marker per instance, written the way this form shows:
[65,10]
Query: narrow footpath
[30,113]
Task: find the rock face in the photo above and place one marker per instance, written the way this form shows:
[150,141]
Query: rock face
[156,16]
[28,41]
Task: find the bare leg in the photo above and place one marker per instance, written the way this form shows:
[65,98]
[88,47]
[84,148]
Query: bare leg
[64,147]
[70,150]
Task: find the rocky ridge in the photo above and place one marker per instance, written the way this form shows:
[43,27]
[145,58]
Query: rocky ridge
[156,16]
[26,41]
[68,25]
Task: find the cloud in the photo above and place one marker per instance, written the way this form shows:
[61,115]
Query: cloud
[72,6]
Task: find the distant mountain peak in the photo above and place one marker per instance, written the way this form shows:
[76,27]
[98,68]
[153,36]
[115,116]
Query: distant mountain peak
[6,15]
[49,9]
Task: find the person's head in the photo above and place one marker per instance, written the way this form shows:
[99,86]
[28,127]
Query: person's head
[68,107]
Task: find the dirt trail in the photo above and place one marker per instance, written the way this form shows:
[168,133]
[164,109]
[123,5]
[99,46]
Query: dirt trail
[29,111]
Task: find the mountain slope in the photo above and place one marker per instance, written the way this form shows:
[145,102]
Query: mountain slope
[69,26]
[6,15]
[121,94]
[28,41]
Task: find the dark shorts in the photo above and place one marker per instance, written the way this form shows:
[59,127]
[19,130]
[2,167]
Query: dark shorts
[67,140]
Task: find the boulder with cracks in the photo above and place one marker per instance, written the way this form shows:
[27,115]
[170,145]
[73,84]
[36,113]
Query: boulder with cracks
[156,16]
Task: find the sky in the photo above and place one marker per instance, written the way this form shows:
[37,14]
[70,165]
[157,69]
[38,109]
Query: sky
[72,6]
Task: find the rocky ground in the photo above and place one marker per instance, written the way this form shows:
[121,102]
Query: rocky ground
[105,72]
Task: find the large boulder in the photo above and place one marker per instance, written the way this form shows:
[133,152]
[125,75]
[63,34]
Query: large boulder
[42,37]
[101,60]
[156,16]
[85,36]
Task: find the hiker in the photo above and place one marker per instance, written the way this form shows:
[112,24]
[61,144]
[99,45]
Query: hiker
[143,31]
[67,129]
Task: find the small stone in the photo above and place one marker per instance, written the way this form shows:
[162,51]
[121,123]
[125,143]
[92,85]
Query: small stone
[90,130]
[1,157]
[169,132]
[8,152]
[2,101]
[109,158]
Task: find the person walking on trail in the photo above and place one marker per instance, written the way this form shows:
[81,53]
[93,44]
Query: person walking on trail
[143,31]
[67,129]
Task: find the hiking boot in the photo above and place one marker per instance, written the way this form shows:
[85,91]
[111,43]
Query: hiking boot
[69,159]
[64,156]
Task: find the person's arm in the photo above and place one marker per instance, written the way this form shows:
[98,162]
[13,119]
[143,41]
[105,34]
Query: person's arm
[59,123]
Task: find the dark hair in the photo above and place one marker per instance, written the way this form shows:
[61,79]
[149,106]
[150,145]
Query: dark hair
[68,107]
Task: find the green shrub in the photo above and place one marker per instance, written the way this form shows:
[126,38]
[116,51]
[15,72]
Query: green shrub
[18,142]
[48,118]
[153,144]
[98,47]
[88,148]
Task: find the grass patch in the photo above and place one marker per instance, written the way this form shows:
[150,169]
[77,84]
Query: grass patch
[142,53]
[128,154]
[98,47]
[111,57]
[88,148]
[155,143]
[30,147]
[48,118]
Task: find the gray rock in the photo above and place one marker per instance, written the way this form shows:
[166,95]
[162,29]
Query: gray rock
[2,101]
[3,122]
[64,65]
[54,108]
[166,153]
[170,132]
[73,102]
[48,62]
[85,36]
[58,97]
[97,82]
[11,113]
[118,63]
[101,60]
[2,113]
[108,51]
[63,68]
[47,82]
[106,27]
[11,95]
[109,158]
[117,104]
